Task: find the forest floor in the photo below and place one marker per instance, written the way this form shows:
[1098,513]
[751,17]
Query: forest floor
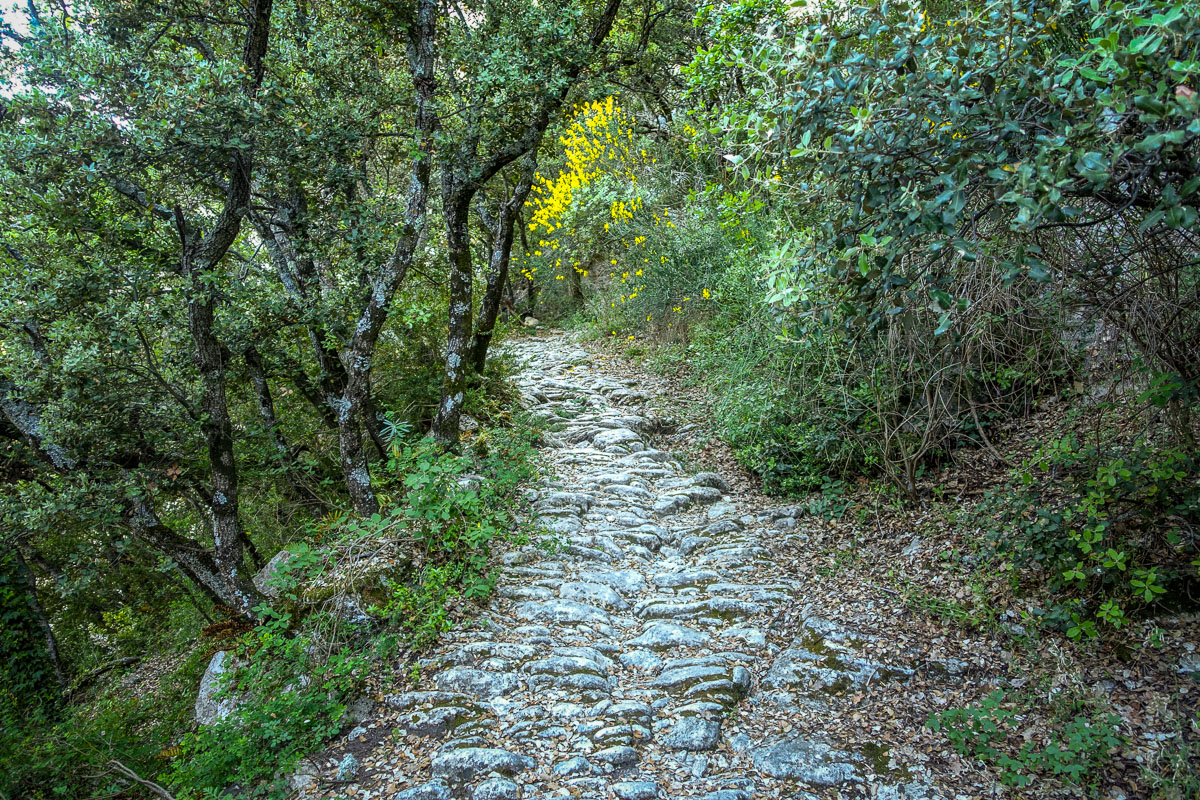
[690,637]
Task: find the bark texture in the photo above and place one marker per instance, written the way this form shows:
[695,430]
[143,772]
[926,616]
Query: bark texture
[201,256]
[464,173]
[356,357]
[499,258]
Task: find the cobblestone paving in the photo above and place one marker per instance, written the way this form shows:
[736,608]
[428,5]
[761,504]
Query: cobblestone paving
[636,661]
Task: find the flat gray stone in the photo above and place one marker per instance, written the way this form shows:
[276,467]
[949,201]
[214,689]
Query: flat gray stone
[615,437]
[497,789]
[747,634]
[567,525]
[722,527]
[573,766]
[641,659]
[703,494]
[663,635]
[724,608]
[908,791]
[614,479]
[620,756]
[440,720]
[687,577]
[804,760]
[465,764]
[710,479]
[487,654]
[592,654]
[826,672]
[669,506]
[595,593]
[625,581]
[694,734]
[564,665]
[628,492]
[561,611]
[635,790]
[623,733]
[686,677]
[734,556]
[524,592]
[721,509]
[740,742]
[580,500]
[434,790]
[480,682]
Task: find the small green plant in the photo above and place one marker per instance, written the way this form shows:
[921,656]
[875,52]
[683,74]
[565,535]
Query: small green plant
[1105,527]
[290,701]
[455,507]
[969,615]
[832,502]
[1001,731]
[1176,773]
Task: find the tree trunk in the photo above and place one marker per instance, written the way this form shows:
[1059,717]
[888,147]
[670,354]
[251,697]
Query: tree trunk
[458,245]
[266,407]
[319,400]
[217,428]
[373,422]
[39,615]
[356,358]
[283,453]
[354,463]
[27,420]
[498,262]
[576,287]
[201,256]
[509,304]
[530,286]
[216,579]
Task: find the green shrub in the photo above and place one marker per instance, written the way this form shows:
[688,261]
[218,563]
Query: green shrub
[455,507]
[1109,528]
[1074,745]
[291,699]
[70,754]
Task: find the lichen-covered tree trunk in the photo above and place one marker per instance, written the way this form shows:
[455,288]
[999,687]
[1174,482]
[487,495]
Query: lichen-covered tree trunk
[223,500]
[200,258]
[498,263]
[356,358]
[458,339]
[231,588]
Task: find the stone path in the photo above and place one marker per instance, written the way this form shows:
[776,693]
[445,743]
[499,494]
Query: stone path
[637,661]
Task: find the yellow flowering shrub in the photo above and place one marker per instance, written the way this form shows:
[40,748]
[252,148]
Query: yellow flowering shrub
[601,178]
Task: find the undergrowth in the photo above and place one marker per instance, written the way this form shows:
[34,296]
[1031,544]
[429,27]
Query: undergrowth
[1107,526]
[1012,732]
[305,661]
